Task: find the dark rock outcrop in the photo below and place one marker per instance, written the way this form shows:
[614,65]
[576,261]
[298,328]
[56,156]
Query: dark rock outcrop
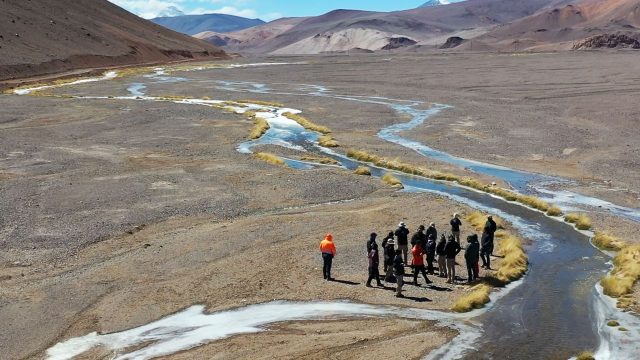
[610,41]
[399,42]
[452,42]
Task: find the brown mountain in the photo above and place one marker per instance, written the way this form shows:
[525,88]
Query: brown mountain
[39,37]
[563,27]
[342,30]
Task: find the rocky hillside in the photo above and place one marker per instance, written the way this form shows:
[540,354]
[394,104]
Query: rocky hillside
[40,37]
[194,24]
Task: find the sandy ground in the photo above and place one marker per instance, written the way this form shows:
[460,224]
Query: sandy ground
[117,213]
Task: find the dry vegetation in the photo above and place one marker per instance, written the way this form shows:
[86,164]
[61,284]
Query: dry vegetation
[476,299]
[554,211]
[606,241]
[259,128]
[327,141]
[398,165]
[581,221]
[625,273]
[320,160]
[260,102]
[363,170]
[270,158]
[585,355]
[390,179]
[308,124]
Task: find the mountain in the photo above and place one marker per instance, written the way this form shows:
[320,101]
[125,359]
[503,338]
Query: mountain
[559,28]
[194,24]
[171,11]
[50,36]
[432,3]
[341,30]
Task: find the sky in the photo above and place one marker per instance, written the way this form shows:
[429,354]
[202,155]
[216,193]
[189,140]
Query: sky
[264,9]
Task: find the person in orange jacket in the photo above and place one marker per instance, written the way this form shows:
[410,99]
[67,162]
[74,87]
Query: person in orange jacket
[328,250]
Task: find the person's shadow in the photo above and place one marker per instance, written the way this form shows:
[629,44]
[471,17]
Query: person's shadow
[346,282]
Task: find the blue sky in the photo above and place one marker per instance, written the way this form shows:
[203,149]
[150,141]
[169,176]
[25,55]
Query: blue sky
[264,9]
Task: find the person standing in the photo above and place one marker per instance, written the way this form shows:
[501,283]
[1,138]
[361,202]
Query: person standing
[471,256]
[389,255]
[442,257]
[455,226]
[432,231]
[374,261]
[371,241]
[398,271]
[417,253]
[490,228]
[451,249]
[430,250]
[419,237]
[402,239]
[387,252]
[486,249]
[328,250]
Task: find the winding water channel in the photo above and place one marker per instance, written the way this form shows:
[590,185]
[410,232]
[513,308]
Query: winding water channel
[554,312]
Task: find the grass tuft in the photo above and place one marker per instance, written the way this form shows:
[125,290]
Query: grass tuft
[390,179]
[606,241]
[554,211]
[320,160]
[307,124]
[327,141]
[582,221]
[270,158]
[363,170]
[260,102]
[625,273]
[515,261]
[476,299]
[613,323]
[260,127]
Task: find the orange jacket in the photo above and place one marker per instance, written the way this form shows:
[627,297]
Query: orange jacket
[327,246]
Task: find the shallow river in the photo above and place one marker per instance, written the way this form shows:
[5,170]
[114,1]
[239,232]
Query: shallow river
[555,312]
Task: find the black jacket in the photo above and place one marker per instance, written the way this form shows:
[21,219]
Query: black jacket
[419,238]
[455,224]
[440,247]
[431,248]
[472,253]
[451,249]
[402,234]
[398,266]
[432,231]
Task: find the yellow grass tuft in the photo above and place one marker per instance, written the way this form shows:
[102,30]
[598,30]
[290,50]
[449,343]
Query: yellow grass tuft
[327,141]
[363,170]
[533,202]
[477,219]
[613,323]
[260,102]
[625,273]
[582,221]
[515,261]
[390,179]
[308,124]
[585,355]
[259,128]
[607,242]
[320,160]
[476,299]
[554,211]
[270,158]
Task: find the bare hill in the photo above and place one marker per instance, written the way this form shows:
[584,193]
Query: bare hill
[41,37]
[342,29]
[194,24]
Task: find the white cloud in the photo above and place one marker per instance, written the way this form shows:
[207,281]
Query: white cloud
[149,9]
[229,10]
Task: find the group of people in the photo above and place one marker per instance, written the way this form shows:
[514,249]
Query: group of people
[395,249]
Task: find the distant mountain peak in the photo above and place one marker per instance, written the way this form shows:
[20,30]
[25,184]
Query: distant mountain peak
[170,12]
[433,3]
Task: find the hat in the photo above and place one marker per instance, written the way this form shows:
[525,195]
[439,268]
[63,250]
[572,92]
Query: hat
[455,215]
[489,217]
[432,224]
[401,224]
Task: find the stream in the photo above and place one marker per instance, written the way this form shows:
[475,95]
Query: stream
[555,311]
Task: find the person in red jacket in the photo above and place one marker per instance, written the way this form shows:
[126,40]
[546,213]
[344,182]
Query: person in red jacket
[328,250]
[418,264]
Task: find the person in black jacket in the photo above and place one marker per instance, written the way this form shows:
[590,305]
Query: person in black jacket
[451,249]
[430,250]
[486,250]
[442,258]
[432,231]
[398,271]
[374,261]
[419,237]
[371,241]
[388,251]
[471,256]
[455,226]
[402,239]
